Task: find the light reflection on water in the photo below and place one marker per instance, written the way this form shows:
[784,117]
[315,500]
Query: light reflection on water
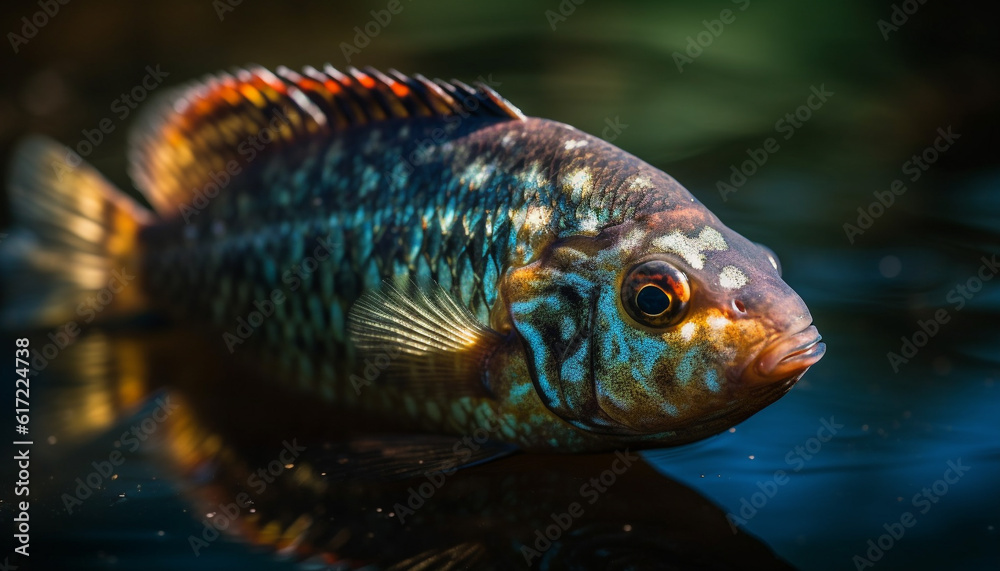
[892,445]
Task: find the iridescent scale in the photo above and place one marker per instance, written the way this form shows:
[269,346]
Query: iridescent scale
[324,205]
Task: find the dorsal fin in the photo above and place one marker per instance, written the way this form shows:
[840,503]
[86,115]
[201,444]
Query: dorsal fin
[197,130]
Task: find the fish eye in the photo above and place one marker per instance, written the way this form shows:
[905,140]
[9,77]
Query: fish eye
[771,257]
[655,294]
[652,300]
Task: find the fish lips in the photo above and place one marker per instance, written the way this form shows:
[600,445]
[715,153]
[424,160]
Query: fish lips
[785,358]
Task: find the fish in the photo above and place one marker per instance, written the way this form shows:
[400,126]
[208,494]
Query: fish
[420,253]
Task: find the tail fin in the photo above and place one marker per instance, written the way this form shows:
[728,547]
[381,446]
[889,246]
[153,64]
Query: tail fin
[71,254]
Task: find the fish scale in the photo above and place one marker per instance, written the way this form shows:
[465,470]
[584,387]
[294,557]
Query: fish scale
[464,265]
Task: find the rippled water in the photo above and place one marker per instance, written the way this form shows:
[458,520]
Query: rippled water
[838,461]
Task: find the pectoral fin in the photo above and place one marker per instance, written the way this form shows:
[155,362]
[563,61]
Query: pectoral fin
[434,345]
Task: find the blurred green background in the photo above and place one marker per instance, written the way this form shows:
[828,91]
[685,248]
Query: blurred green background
[602,61]
[598,64]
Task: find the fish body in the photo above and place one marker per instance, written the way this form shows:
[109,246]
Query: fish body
[424,252]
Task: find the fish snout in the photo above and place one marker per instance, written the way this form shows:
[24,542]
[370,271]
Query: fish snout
[786,357]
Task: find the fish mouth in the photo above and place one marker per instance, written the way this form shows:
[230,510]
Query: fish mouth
[788,357]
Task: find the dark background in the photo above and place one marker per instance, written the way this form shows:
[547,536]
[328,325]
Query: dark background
[614,62]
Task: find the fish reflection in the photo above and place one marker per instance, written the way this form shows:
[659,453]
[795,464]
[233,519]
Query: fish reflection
[256,470]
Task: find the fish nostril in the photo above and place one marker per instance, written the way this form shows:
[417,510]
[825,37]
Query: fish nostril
[738,305]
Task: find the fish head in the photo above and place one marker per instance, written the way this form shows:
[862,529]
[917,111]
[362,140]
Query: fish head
[660,330]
